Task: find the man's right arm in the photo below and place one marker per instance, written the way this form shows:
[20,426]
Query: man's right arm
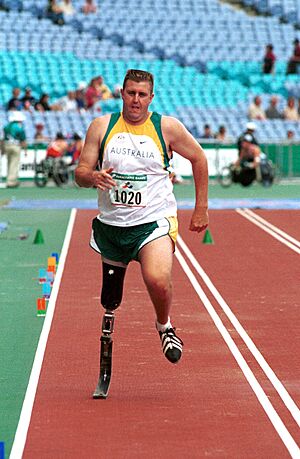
[86,174]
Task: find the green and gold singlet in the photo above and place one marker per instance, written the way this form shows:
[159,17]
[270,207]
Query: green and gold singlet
[138,155]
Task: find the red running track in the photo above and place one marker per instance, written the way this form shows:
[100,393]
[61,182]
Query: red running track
[204,406]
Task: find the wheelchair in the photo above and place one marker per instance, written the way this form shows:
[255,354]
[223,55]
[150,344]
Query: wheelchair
[245,175]
[52,168]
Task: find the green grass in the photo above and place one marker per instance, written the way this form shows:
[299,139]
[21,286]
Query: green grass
[20,326]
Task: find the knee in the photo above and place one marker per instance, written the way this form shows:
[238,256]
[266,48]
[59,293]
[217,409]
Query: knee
[159,283]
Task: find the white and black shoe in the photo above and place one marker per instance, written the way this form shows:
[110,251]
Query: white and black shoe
[171,345]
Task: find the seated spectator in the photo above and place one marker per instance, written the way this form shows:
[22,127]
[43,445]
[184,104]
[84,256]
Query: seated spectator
[221,135]
[104,90]
[255,110]
[15,103]
[89,7]
[117,91]
[290,111]
[80,96]
[42,105]
[269,60]
[27,107]
[58,147]
[67,103]
[55,13]
[39,134]
[272,111]
[207,133]
[294,61]
[290,136]
[28,97]
[92,94]
[67,8]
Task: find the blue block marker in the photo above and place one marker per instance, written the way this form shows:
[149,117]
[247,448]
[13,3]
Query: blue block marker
[1,449]
[55,254]
[46,290]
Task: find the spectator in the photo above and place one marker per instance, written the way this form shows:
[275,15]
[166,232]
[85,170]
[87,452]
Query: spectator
[28,97]
[207,133]
[269,60]
[92,94]
[58,147]
[67,103]
[27,107]
[15,103]
[55,13]
[39,134]
[67,8]
[117,91]
[104,90]
[42,105]
[14,140]
[294,61]
[89,7]
[255,110]
[290,136]
[221,135]
[290,111]
[272,111]
[80,96]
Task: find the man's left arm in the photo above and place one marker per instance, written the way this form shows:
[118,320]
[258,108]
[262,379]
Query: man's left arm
[181,141]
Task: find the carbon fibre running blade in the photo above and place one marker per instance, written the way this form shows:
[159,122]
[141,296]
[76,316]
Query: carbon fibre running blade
[102,388]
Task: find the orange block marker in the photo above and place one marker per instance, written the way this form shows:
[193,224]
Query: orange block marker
[51,261]
[41,307]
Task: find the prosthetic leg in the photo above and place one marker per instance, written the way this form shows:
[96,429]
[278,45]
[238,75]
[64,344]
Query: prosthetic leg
[106,343]
[111,297]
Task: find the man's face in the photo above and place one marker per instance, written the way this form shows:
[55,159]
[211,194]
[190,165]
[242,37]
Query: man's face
[136,100]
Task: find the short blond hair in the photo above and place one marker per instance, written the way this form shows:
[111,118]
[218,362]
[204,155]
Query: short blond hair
[138,76]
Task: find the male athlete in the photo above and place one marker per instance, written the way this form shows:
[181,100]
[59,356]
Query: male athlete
[126,157]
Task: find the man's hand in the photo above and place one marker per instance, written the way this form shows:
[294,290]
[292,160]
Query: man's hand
[103,180]
[199,220]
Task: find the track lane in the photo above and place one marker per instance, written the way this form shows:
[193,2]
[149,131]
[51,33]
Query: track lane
[203,406]
[257,277]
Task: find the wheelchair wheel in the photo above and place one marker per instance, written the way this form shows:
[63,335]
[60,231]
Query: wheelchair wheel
[41,175]
[60,173]
[247,177]
[225,177]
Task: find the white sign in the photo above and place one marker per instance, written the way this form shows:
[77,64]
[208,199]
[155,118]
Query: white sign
[216,159]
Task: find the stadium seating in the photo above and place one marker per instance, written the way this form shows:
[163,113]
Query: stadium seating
[286,10]
[206,57]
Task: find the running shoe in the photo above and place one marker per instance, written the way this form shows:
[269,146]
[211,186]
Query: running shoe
[171,345]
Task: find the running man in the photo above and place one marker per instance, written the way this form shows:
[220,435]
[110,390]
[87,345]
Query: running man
[126,157]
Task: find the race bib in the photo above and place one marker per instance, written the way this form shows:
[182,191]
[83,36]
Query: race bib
[130,191]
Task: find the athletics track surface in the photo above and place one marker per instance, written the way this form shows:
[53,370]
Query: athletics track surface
[218,401]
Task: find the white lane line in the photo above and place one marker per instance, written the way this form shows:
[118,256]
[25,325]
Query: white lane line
[270,225]
[23,425]
[267,229]
[281,390]
[276,421]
